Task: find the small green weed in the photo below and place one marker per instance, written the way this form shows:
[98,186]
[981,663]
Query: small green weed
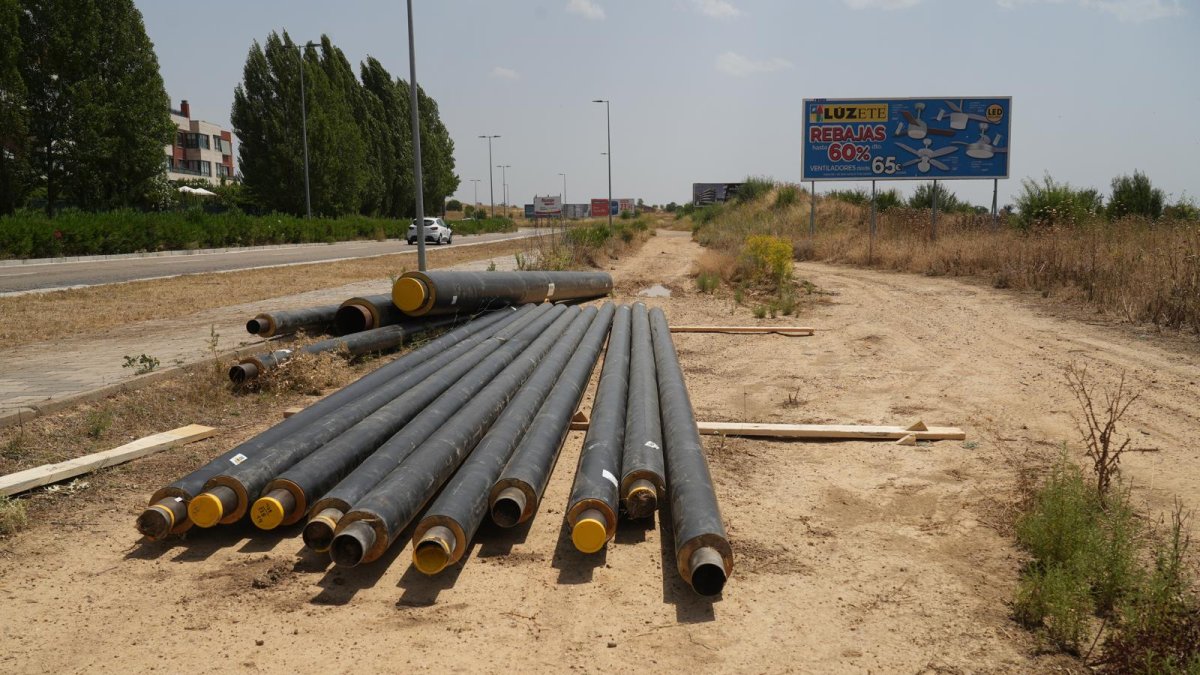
[141,364]
[708,282]
[98,422]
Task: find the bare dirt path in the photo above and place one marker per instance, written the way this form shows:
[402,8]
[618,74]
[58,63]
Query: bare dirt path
[850,557]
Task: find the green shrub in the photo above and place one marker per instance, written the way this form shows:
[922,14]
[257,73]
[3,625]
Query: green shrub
[708,282]
[482,225]
[753,188]
[856,196]
[766,258]
[1059,599]
[1135,196]
[922,198]
[888,199]
[12,516]
[787,196]
[1052,203]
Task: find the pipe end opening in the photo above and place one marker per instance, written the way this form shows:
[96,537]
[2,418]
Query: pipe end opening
[318,533]
[254,327]
[351,546]
[431,556]
[156,522]
[708,571]
[508,507]
[642,501]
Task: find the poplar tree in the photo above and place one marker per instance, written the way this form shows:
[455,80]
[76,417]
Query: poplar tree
[14,140]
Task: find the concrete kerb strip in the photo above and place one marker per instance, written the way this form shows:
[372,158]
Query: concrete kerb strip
[54,405]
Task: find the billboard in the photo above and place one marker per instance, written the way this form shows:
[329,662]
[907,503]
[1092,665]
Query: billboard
[529,210]
[599,208]
[577,210]
[547,207]
[906,138]
[713,193]
[626,206]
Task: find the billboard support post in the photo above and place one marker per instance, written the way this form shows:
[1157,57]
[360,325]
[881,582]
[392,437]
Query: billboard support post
[933,212]
[871,243]
[995,213]
[812,210]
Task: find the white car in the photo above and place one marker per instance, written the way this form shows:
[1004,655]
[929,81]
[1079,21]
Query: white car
[436,231]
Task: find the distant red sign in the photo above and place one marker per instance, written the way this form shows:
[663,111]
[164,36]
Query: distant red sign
[599,208]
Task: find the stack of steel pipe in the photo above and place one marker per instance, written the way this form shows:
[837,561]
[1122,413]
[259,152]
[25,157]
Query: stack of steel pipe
[450,292]
[270,324]
[168,509]
[367,423]
[355,344]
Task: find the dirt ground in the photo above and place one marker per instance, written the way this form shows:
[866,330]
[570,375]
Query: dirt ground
[849,556]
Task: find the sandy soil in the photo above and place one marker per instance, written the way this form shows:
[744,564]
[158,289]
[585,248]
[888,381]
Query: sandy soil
[850,556]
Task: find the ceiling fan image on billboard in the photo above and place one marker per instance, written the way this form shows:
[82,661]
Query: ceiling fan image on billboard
[927,156]
[958,118]
[918,128]
[985,147]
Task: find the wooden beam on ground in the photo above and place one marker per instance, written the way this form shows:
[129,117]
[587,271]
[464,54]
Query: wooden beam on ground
[52,473]
[790,331]
[288,412]
[833,431]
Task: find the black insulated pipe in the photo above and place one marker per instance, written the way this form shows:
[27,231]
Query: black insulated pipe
[395,500]
[449,524]
[248,477]
[367,312]
[592,506]
[193,483]
[642,467]
[529,469]
[702,551]
[448,292]
[397,428]
[270,324]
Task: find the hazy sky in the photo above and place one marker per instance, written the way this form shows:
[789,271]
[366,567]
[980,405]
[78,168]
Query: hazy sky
[711,90]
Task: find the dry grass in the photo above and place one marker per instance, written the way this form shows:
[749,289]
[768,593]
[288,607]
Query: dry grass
[1134,270]
[86,310]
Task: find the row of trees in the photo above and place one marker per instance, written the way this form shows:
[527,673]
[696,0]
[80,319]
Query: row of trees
[359,134]
[84,115]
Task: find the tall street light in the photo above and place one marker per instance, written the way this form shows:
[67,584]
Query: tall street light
[476,182]
[304,128]
[504,184]
[416,133]
[563,205]
[491,189]
[608,125]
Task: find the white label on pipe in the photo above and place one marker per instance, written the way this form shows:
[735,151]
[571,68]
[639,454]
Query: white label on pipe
[550,291]
[454,300]
[652,444]
[179,499]
[609,477]
[238,459]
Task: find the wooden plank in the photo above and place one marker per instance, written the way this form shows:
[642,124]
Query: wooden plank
[52,473]
[830,431]
[746,330]
[288,412]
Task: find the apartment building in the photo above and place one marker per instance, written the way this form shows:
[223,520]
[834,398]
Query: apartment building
[201,149]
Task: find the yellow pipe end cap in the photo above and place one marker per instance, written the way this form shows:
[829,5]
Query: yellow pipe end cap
[408,294]
[589,535]
[206,510]
[431,557]
[267,513]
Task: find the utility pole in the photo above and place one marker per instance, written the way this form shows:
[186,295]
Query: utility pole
[304,129]
[608,126]
[491,180]
[475,204]
[504,184]
[563,205]
[416,132]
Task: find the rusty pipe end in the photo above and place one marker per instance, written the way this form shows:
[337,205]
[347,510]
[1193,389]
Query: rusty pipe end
[160,518]
[318,533]
[707,571]
[641,500]
[351,545]
[353,319]
[508,507]
[239,373]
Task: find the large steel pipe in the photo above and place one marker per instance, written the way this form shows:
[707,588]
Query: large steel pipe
[355,344]
[370,311]
[270,324]
[383,411]
[592,506]
[642,467]
[515,496]
[702,551]
[459,385]
[374,522]
[392,431]
[449,524]
[167,512]
[448,292]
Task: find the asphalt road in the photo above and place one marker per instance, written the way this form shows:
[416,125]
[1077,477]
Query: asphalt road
[54,275]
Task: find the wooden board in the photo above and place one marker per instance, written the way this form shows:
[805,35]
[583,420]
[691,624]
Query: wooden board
[745,330]
[831,431]
[52,473]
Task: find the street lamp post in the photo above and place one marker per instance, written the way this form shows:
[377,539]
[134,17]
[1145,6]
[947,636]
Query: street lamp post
[476,202]
[608,126]
[563,206]
[491,182]
[304,129]
[416,133]
[504,184]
